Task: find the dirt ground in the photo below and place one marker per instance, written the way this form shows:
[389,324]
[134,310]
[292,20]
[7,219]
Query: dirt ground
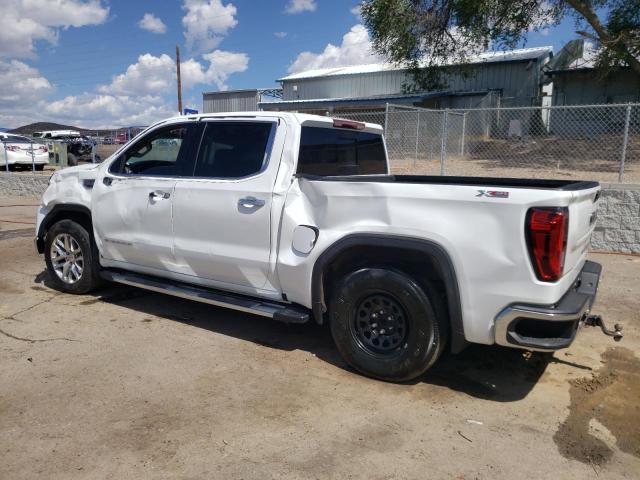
[127,384]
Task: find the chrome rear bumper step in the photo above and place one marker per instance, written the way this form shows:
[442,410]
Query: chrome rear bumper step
[277,311]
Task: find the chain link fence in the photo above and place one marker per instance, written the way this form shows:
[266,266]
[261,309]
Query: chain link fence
[49,150]
[587,142]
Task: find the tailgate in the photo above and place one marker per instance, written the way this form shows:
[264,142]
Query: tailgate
[582,220]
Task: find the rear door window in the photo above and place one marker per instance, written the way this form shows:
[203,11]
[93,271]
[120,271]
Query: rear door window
[334,151]
[234,149]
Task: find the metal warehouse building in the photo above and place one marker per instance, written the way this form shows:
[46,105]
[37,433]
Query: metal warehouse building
[515,76]
[237,100]
[512,77]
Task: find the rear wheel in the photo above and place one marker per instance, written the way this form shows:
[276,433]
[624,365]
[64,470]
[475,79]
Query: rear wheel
[385,325]
[71,258]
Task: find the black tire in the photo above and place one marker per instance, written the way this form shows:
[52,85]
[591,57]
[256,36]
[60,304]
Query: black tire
[72,160]
[39,168]
[419,335]
[89,278]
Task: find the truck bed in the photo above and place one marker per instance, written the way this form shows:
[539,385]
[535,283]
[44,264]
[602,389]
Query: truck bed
[564,185]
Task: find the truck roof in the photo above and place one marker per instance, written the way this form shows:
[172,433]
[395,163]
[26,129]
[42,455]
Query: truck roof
[299,118]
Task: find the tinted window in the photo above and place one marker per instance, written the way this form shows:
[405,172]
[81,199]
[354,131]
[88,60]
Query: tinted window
[233,150]
[159,153]
[333,151]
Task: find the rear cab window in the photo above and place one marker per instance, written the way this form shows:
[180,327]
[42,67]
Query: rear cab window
[335,151]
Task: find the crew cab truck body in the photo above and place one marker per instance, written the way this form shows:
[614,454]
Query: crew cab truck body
[296,217]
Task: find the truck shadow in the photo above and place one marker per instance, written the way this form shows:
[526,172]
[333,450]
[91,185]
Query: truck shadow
[487,372]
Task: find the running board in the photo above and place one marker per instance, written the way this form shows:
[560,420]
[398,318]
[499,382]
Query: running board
[277,311]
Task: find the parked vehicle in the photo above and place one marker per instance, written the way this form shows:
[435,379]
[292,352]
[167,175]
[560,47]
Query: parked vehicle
[56,133]
[22,152]
[296,217]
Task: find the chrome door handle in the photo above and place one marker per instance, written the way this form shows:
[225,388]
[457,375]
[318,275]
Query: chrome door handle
[250,202]
[159,195]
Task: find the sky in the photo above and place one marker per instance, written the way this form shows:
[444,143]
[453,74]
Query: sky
[110,63]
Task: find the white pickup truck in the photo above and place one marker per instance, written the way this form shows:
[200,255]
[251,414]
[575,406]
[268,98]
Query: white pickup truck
[296,217]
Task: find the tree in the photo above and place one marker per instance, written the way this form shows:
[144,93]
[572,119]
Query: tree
[426,34]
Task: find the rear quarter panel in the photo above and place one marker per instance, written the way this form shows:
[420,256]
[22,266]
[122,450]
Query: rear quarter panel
[483,236]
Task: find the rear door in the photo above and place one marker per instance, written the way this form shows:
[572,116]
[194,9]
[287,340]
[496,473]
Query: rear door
[132,202]
[222,215]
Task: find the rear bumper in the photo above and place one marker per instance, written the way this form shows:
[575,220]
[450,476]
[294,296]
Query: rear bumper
[549,327]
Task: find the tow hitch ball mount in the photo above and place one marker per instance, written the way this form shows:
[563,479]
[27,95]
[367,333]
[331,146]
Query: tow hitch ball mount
[596,321]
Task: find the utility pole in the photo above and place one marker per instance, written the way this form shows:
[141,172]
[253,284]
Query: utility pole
[179,81]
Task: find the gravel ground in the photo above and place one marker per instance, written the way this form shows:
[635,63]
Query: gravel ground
[130,384]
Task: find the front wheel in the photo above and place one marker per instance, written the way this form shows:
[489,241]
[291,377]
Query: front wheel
[385,325]
[71,258]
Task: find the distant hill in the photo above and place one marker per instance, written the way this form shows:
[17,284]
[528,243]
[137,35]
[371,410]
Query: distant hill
[39,126]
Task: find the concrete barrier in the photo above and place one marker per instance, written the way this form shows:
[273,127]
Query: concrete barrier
[617,225]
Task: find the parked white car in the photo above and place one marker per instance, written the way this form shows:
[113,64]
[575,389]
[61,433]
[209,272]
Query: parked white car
[296,217]
[20,151]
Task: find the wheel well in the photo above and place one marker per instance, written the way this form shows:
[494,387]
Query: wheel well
[425,262]
[76,213]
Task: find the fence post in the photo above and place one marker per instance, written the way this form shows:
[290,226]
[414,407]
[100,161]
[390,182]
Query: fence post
[415,159]
[443,141]
[33,159]
[386,116]
[6,156]
[93,151]
[464,131]
[625,140]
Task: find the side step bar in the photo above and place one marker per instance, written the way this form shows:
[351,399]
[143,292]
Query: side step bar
[279,312]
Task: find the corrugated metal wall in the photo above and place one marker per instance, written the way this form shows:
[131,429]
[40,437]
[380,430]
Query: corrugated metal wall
[583,87]
[233,101]
[515,79]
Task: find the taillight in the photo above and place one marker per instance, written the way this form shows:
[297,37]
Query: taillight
[44,149]
[13,148]
[341,123]
[546,231]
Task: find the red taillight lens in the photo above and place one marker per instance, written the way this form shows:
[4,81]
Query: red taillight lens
[13,148]
[341,123]
[547,230]
[44,149]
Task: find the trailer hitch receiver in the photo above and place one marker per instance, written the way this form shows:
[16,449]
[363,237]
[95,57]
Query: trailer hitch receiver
[596,321]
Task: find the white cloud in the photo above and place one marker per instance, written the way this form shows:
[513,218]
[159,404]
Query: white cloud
[152,24]
[152,75]
[141,95]
[149,75]
[206,22]
[221,65]
[354,50]
[299,6]
[356,11]
[105,111]
[21,85]
[280,34]
[23,22]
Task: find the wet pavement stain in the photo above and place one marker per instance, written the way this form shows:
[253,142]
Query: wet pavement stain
[20,233]
[604,412]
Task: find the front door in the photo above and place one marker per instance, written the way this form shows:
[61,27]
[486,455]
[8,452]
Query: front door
[132,200]
[222,215]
